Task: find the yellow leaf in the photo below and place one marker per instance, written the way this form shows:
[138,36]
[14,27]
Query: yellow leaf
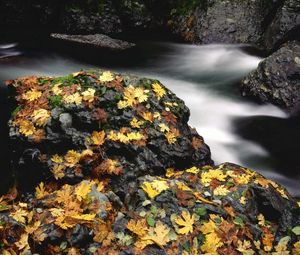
[159,235]
[106,77]
[163,127]
[57,159]
[221,191]
[171,137]
[208,227]
[158,90]
[211,244]
[89,95]
[32,95]
[193,170]
[138,227]
[82,190]
[136,123]
[148,116]
[58,171]
[72,158]
[22,244]
[186,222]
[56,89]
[85,217]
[40,117]
[245,247]
[40,191]
[75,98]
[98,138]
[19,215]
[154,188]
[207,177]
[26,128]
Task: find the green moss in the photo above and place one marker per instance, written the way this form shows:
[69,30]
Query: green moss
[184,7]
[55,101]
[14,113]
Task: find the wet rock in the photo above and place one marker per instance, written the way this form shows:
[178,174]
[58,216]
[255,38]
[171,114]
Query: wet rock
[285,26]
[277,78]
[96,40]
[226,21]
[98,121]
[219,209]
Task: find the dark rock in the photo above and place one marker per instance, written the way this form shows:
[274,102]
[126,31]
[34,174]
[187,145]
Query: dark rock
[72,111]
[285,26]
[226,21]
[277,78]
[96,40]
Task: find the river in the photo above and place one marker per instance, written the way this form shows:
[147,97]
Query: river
[206,78]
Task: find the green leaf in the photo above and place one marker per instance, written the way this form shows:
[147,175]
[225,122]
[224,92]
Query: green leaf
[151,221]
[238,221]
[296,230]
[201,211]
[186,246]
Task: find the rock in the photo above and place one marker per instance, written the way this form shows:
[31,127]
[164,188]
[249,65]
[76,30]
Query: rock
[98,121]
[277,78]
[226,21]
[117,170]
[218,210]
[96,40]
[285,26]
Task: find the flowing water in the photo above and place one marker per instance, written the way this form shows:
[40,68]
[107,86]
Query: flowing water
[205,77]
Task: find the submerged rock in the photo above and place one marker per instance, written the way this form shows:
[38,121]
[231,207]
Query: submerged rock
[277,78]
[117,170]
[96,40]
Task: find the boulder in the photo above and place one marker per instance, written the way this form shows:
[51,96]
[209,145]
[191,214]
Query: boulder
[96,40]
[277,78]
[285,26]
[227,209]
[117,170]
[94,120]
[226,21]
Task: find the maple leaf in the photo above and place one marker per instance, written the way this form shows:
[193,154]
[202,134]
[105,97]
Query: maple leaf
[89,95]
[57,159]
[33,227]
[171,137]
[32,95]
[169,117]
[211,244]
[82,190]
[148,116]
[40,191]
[72,158]
[64,195]
[136,123]
[75,98]
[296,249]
[56,89]
[26,128]
[163,127]
[158,235]
[40,117]
[106,76]
[138,227]
[73,251]
[98,138]
[158,90]
[207,177]
[221,191]
[193,170]
[100,115]
[22,244]
[154,188]
[186,222]
[245,247]
[19,215]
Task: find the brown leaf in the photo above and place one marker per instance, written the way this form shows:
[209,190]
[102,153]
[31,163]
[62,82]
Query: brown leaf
[100,115]
[197,143]
[169,117]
